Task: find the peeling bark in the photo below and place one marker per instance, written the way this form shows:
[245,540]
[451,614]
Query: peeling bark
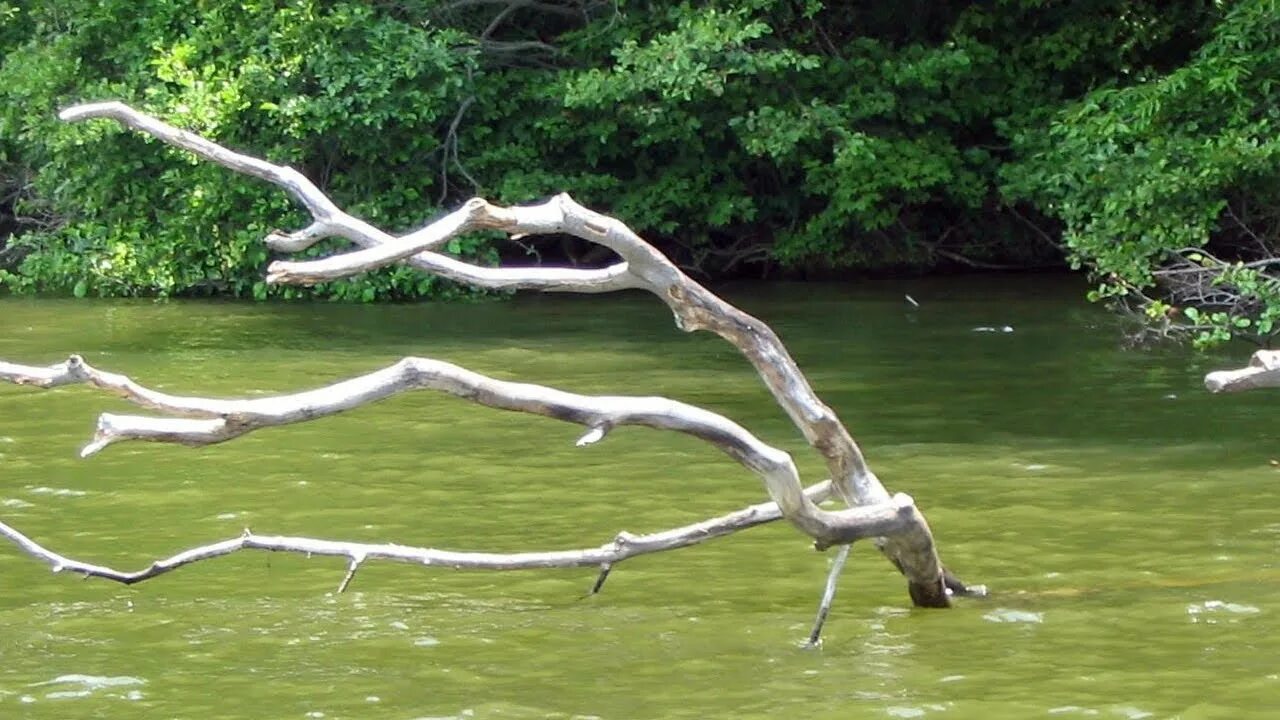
[898,527]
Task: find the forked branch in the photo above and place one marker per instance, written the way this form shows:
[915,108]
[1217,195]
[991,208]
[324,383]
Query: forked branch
[205,421]
[331,221]
[900,529]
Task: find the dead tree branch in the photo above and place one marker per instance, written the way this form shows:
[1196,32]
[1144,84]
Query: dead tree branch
[205,421]
[899,528]
[330,221]
[622,547]
[1262,371]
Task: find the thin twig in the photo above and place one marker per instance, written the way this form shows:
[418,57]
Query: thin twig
[828,596]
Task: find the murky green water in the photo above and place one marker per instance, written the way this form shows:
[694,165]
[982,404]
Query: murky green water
[1126,521]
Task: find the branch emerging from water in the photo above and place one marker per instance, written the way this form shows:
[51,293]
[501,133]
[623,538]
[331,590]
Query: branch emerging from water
[1262,371]
[903,534]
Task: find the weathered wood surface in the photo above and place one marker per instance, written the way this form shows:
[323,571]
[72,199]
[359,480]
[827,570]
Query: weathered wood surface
[1263,371]
[898,527]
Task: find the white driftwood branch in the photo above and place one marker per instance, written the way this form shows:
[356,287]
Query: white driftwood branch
[695,307]
[331,221]
[622,547]
[911,547]
[204,421]
[1263,371]
[232,418]
[44,377]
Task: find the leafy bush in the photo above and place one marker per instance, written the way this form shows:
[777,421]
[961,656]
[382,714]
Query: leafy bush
[1169,188]
[738,134]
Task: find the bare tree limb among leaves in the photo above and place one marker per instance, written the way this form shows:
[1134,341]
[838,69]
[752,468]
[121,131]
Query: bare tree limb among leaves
[898,527]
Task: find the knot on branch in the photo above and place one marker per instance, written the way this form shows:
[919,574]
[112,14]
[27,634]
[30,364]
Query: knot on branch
[903,503]
[77,368]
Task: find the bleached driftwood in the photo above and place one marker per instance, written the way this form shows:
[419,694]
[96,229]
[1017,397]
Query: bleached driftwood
[622,547]
[900,529]
[204,421]
[1262,371]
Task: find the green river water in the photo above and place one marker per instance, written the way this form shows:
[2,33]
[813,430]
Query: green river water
[1126,521]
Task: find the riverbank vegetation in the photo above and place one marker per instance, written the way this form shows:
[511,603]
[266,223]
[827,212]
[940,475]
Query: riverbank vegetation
[744,138]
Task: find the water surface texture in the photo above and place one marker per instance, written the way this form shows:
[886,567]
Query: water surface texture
[1126,521]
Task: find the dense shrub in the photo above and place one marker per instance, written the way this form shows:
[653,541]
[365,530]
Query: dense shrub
[741,136]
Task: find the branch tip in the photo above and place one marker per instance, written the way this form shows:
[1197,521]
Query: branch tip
[593,436]
[352,567]
[605,569]
[95,446]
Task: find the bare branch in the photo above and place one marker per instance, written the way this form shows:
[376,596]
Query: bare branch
[624,546]
[204,421]
[331,221]
[695,307]
[1262,371]
[44,377]
[227,419]
[828,596]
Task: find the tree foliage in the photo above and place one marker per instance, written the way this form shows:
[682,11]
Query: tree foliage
[1169,187]
[742,135]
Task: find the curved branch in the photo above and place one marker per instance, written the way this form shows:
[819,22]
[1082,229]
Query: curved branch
[694,306]
[232,418]
[331,221]
[205,421]
[43,377]
[624,546]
